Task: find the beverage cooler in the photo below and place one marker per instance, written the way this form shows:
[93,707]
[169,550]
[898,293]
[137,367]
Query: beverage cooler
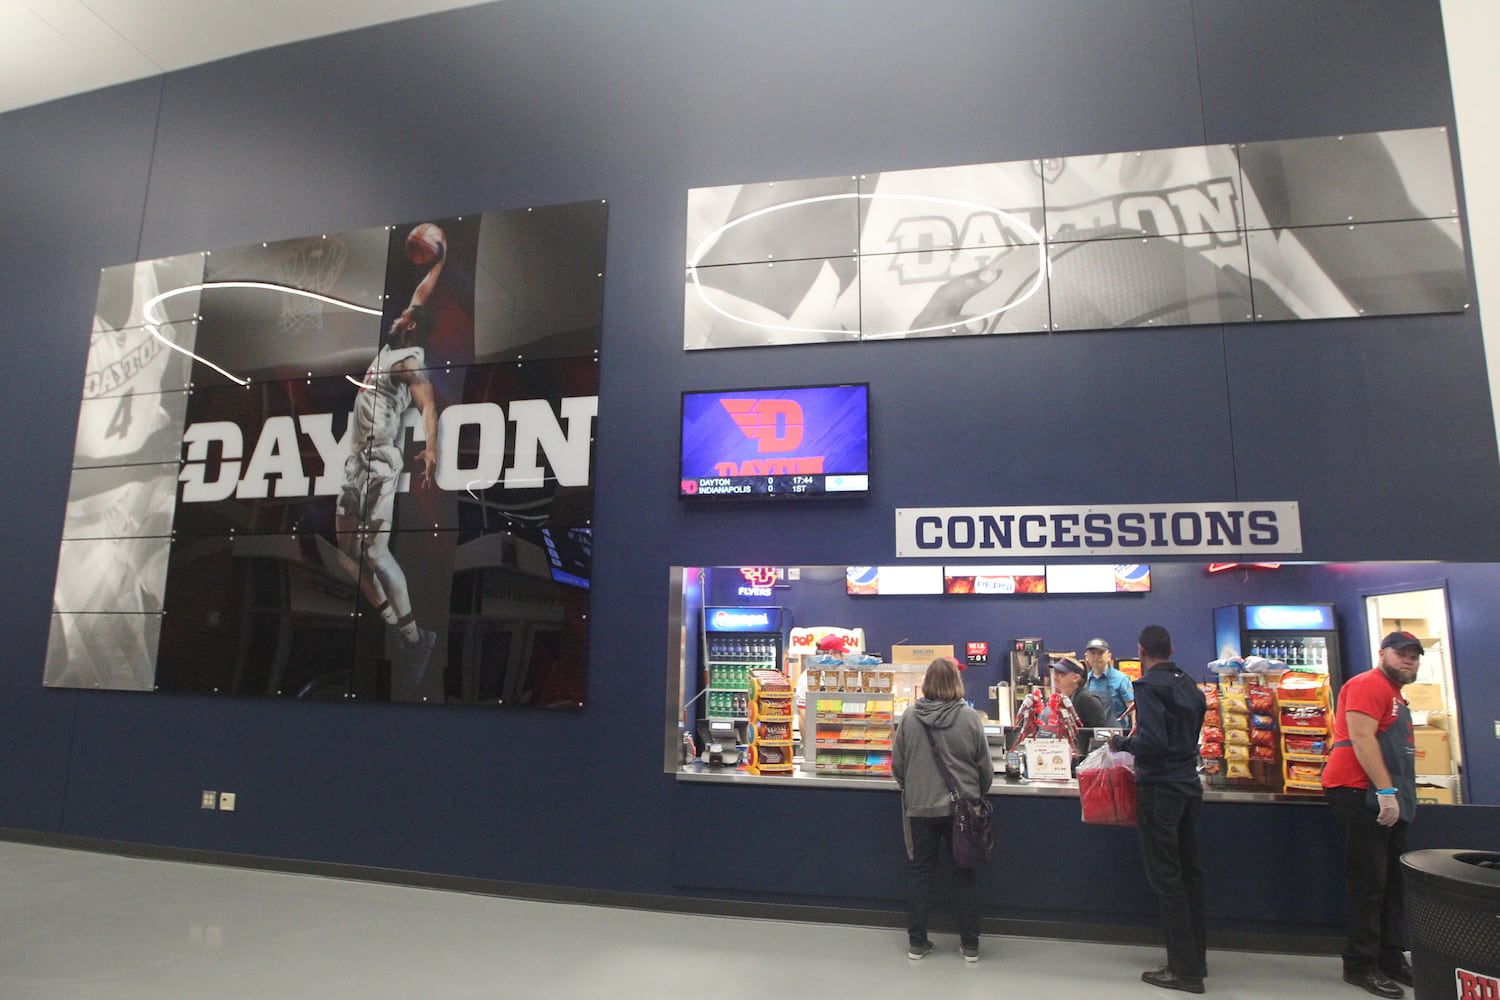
[1271,728]
[735,642]
[1303,636]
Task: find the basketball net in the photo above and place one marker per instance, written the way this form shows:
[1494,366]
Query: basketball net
[312,265]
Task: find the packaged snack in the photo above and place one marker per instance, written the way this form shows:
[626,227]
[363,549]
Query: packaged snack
[1212,718]
[1262,753]
[1210,694]
[1237,736]
[774,731]
[1304,772]
[1238,769]
[1304,717]
[1233,700]
[1306,744]
[1236,720]
[1212,734]
[1302,687]
[1211,767]
[1262,722]
[1233,751]
[1261,698]
[770,680]
[1211,750]
[1262,738]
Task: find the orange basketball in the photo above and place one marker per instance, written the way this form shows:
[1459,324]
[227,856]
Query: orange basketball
[424,244]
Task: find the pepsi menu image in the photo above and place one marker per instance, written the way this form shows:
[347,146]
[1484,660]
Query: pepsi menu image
[784,442]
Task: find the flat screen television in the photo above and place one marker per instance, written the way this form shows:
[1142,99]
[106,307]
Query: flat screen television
[801,441]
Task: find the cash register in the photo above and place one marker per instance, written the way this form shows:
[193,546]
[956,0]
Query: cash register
[722,741]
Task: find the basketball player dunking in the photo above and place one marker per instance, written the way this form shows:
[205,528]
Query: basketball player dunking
[395,381]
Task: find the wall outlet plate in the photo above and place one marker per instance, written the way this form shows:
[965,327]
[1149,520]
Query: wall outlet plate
[209,800]
[226,801]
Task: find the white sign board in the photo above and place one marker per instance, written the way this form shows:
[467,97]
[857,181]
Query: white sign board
[1141,530]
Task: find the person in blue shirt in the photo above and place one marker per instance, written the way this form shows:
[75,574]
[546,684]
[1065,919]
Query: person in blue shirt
[1111,686]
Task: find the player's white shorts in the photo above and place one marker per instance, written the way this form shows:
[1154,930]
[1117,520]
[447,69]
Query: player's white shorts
[368,495]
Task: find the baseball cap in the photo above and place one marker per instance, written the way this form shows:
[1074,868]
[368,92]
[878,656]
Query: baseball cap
[1067,663]
[1398,640]
[1097,644]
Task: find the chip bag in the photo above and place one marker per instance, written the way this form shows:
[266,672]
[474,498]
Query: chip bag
[1261,698]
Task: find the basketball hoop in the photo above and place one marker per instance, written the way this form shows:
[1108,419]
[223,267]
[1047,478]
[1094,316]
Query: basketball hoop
[312,265]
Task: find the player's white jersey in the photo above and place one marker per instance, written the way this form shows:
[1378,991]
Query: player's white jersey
[122,401]
[383,399]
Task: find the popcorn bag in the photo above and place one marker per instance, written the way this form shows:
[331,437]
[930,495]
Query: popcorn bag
[1106,787]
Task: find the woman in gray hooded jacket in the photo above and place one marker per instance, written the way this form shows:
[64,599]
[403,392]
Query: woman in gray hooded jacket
[927,808]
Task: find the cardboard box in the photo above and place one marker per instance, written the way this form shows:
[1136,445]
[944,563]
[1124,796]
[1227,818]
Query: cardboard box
[920,655]
[1433,755]
[1432,795]
[1424,697]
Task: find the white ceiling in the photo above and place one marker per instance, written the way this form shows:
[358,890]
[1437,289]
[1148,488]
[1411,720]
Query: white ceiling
[55,48]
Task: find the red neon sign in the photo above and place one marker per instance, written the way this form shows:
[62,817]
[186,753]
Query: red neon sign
[759,576]
[1221,567]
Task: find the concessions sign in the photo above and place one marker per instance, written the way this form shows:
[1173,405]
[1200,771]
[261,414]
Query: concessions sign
[1110,530]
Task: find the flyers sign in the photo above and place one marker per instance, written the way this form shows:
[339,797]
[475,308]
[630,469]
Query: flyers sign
[1114,530]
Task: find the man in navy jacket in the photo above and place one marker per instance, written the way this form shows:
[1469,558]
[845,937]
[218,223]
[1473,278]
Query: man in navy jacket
[1169,711]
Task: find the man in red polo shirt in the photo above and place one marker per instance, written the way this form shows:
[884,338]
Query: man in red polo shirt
[1370,781]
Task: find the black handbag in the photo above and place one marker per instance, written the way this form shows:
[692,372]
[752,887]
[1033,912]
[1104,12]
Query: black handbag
[973,835]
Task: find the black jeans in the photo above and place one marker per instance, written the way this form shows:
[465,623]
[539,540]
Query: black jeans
[932,844]
[1167,821]
[1374,894]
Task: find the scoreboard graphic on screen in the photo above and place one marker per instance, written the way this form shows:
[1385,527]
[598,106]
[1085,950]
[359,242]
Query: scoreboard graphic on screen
[803,441]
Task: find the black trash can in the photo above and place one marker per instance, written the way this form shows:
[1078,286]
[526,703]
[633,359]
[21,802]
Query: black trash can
[1453,914]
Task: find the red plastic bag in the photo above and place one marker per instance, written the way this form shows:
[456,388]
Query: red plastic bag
[1106,787]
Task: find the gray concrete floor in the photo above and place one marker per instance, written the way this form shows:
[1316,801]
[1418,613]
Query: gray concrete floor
[77,924]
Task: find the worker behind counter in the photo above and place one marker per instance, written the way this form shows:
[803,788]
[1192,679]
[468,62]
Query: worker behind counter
[1107,682]
[1068,680]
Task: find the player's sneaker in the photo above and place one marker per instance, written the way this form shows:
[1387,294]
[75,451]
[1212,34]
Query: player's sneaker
[416,655]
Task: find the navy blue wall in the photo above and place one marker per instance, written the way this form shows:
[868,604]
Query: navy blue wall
[530,102]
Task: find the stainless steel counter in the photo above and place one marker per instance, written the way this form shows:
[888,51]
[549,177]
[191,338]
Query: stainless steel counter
[863,783]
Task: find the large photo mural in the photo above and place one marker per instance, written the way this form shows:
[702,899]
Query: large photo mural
[347,466]
[1317,228]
